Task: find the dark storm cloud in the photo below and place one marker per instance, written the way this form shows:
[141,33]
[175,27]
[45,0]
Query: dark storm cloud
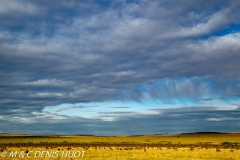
[59,52]
[176,120]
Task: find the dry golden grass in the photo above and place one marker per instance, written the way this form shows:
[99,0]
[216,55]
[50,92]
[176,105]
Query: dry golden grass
[164,147]
[174,139]
[135,154]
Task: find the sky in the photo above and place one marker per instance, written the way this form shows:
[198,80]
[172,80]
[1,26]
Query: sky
[122,67]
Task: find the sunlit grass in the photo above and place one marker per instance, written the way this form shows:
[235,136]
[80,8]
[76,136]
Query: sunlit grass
[174,139]
[140,154]
[131,147]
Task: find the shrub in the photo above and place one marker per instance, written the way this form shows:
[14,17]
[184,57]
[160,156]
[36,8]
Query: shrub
[226,143]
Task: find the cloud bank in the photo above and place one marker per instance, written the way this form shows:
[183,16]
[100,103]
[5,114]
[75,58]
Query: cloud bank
[81,53]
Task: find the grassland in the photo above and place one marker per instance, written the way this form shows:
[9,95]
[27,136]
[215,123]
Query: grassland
[155,147]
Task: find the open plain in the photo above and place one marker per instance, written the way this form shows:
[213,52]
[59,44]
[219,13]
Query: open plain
[204,146]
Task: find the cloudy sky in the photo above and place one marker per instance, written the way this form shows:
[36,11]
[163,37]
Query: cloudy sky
[119,67]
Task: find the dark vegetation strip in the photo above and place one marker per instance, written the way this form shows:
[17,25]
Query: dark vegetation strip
[135,145]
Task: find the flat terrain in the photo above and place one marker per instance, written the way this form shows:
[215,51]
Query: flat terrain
[213,146]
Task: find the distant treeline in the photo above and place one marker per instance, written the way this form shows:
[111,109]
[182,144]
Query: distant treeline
[204,133]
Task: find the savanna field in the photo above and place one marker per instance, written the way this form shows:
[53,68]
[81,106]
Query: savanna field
[163,147]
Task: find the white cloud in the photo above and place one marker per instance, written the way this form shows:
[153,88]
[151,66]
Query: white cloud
[46,82]
[18,7]
[223,119]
